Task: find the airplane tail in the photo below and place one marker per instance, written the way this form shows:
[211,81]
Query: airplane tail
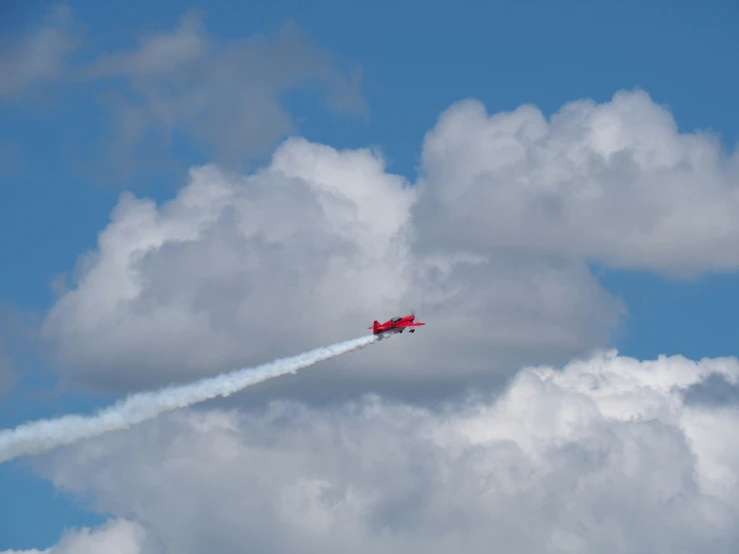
[375,325]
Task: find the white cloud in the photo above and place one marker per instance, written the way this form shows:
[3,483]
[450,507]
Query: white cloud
[114,537]
[491,248]
[221,95]
[603,455]
[304,252]
[614,183]
[40,55]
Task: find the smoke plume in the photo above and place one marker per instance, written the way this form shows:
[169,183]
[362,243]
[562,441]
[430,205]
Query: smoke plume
[41,436]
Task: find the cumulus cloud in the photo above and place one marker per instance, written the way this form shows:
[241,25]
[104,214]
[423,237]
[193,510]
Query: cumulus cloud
[118,536]
[491,247]
[40,55]
[306,251]
[236,265]
[614,183]
[603,455]
[221,95]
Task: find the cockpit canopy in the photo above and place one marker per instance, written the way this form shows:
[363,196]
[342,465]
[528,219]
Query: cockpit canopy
[396,319]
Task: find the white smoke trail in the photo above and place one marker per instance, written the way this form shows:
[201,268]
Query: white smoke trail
[41,436]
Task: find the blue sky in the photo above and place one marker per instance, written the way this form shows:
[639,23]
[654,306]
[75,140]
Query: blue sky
[60,182]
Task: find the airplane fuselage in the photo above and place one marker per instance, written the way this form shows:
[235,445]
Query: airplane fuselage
[397,324]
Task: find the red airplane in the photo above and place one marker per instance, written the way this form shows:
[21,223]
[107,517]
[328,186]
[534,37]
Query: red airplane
[397,324]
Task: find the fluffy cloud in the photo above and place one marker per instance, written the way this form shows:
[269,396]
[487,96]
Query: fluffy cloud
[39,56]
[307,251]
[614,183]
[604,455]
[238,266]
[491,247]
[118,536]
[223,96]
